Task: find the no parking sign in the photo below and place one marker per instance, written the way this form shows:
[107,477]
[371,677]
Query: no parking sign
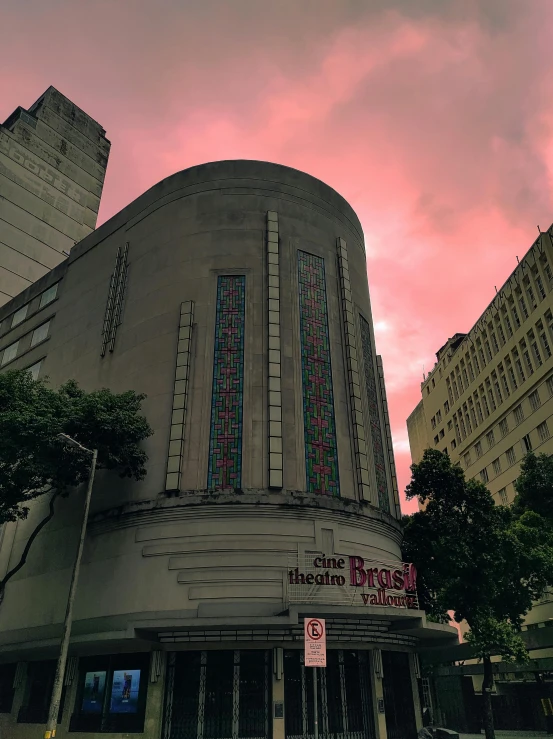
[315,642]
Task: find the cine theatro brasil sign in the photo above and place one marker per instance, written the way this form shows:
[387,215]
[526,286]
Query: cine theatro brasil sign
[351,580]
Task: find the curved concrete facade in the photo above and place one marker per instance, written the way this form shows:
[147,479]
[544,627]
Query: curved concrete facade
[234,295]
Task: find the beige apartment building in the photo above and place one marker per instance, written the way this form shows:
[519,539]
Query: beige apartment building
[53,159]
[489,400]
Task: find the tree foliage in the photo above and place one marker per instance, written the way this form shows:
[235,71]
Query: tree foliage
[484,562]
[33,459]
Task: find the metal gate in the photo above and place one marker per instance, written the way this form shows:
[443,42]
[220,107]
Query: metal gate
[398,696]
[218,695]
[344,697]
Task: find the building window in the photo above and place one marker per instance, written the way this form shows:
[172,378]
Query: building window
[534,399]
[540,286]
[508,325]
[528,361]
[548,272]
[453,444]
[484,402]
[501,333]
[523,307]
[511,373]
[543,431]
[7,691]
[20,315]
[488,350]
[518,414]
[503,496]
[504,427]
[490,438]
[484,475]
[496,464]
[550,385]
[531,296]
[516,319]
[433,422]
[111,694]
[543,339]
[466,459]
[34,369]
[438,416]
[436,439]
[48,295]
[10,352]
[526,443]
[446,407]
[442,434]
[450,425]
[497,389]
[40,333]
[536,353]
[494,343]
[479,411]
[505,385]
[478,449]
[38,692]
[511,456]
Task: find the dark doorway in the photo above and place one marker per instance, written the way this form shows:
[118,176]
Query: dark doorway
[398,696]
[218,695]
[344,696]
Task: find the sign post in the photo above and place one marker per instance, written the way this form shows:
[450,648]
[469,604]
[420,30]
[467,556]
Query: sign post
[315,656]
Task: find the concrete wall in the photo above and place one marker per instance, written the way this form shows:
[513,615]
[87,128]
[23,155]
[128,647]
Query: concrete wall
[53,161]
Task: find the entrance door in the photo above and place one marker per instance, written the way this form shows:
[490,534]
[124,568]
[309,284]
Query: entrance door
[398,696]
[344,697]
[218,695]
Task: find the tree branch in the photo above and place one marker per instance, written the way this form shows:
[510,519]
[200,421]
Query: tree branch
[28,545]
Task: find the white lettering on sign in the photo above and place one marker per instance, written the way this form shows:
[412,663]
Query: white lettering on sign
[315,642]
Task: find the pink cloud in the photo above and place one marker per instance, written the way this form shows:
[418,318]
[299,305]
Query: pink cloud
[434,119]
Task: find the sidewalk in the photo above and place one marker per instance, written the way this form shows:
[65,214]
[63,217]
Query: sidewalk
[508,735]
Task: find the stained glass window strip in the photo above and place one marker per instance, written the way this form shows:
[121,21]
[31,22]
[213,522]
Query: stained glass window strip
[374,417]
[225,444]
[321,454]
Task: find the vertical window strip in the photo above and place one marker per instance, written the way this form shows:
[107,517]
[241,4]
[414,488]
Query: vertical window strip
[274,364]
[225,443]
[321,450]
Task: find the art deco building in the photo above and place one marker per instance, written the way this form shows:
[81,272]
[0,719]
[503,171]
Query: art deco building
[53,160]
[489,400]
[233,294]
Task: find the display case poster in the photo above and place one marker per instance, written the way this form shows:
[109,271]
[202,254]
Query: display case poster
[93,694]
[124,691]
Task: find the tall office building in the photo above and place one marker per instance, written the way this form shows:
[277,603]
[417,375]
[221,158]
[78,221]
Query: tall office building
[53,160]
[489,400]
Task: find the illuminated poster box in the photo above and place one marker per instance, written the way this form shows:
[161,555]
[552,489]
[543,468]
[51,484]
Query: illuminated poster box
[124,691]
[93,694]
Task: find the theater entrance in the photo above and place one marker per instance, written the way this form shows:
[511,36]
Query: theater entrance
[344,697]
[219,695]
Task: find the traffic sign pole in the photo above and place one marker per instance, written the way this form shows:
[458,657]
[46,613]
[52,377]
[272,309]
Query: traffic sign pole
[315,704]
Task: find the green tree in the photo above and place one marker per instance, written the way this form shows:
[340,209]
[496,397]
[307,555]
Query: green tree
[482,561]
[534,486]
[34,461]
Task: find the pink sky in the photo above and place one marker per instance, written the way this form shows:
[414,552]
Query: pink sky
[433,118]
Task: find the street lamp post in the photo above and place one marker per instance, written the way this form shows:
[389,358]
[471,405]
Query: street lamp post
[50,732]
